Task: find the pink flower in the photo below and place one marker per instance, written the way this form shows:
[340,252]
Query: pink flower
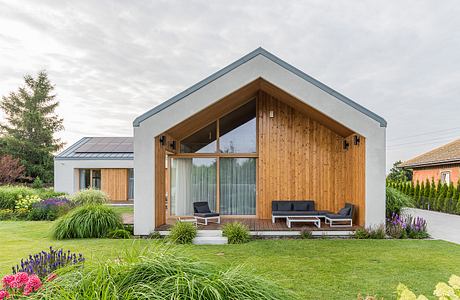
[4,294]
[34,282]
[7,280]
[20,279]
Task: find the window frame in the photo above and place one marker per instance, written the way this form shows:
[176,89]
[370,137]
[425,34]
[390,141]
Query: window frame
[90,178]
[443,177]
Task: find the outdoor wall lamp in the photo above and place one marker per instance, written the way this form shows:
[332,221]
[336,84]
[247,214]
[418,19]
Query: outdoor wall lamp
[162,140]
[346,145]
[173,145]
[357,139]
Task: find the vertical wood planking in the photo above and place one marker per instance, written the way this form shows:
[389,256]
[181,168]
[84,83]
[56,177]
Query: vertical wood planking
[114,182]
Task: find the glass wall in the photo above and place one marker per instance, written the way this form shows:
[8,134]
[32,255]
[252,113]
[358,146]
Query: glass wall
[237,186]
[90,178]
[202,141]
[192,180]
[238,130]
[130,184]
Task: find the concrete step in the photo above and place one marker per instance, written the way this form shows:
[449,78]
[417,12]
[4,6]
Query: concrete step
[210,240]
[209,233]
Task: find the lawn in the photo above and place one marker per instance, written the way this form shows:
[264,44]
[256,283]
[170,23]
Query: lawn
[313,269]
[123,209]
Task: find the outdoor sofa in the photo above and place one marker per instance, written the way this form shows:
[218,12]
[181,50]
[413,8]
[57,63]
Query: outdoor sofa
[306,208]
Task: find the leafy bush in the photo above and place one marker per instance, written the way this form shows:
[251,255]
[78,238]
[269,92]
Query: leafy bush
[377,232]
[90,196]
[443,291]
[154,235]
[50,209]
[361,233]
[26,202]
[38,183]
[44,263]
[161,274]
[10,194]
[6,214]
[88,221]
[11,169]
[236,232]
[182,233]
[47,193]
[395,200]
[306,233]
[119,234]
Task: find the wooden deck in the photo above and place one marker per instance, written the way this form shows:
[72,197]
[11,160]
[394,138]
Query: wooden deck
[262,225]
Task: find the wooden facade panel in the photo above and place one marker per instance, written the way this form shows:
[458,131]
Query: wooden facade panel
[114,182]
[301,159]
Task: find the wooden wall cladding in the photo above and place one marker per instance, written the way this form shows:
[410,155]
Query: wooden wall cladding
[114,182]
[301,159]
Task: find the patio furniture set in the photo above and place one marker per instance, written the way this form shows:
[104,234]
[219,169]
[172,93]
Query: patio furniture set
[292,211]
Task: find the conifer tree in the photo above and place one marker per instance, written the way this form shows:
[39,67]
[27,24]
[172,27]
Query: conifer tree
[416,194]
[441,197]
[426,194]
[30,125]
[432,196]
[448,199]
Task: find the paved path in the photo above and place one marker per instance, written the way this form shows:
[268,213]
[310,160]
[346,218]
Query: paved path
[128,218]
[440,226]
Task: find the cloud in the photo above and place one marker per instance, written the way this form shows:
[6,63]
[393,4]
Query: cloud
[113,60]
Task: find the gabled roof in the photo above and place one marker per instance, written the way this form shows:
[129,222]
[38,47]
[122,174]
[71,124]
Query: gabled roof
[446,154]
[244,59]
[114,148]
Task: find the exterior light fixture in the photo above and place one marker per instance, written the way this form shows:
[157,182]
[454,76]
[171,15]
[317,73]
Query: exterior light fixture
[173,145]
[162,140]
[357,139]
[346,145]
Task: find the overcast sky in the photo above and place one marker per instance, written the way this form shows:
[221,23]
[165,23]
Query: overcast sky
[113,60]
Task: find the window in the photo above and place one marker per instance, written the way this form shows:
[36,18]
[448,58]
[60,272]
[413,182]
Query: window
[237,130]
[202,141]
[445,177]
[130,184]
[237,186]
[90,179]
[192,180]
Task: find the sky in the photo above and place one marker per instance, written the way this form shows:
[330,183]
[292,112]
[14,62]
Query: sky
[113,60]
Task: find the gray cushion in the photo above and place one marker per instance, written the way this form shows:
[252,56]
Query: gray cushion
[337,216]
[206,215]
[345,211]
[286,206]
[300,206]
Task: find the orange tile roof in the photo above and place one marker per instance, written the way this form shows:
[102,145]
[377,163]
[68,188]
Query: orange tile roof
[448,153]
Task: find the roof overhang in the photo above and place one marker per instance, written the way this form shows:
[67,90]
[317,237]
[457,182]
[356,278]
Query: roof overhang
[259,73]
[431,164]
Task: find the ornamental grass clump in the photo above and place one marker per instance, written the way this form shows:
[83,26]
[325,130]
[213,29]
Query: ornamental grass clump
[236,233]
[45,263]
[162,273]
[182,233]
[90,196]
[88,221]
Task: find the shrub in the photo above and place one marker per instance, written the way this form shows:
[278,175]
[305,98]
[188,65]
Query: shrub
[362,233]
[154,235]
[38,183]
[395,200]
[443,291]
[403,227]
[50,209]
[19,285]
[416,228]
[119,234]
[44,263]
[377,232]
[88,221]
[10,194]
[306,233]
[182,233]
[161,274]
[47,193]
[6,214]
[90,196]
[26,202]
[236,232]
[11,169]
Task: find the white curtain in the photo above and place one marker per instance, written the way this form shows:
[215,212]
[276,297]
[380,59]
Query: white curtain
[192,180]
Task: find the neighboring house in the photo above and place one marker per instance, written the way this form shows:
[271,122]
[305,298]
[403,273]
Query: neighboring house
[256,131]
[442,163]
[104,163]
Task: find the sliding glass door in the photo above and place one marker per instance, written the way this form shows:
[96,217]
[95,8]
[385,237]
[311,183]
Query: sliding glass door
[237,186]
[192,180]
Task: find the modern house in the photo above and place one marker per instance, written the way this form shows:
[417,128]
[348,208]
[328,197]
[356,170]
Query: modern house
[256,131]
[442,163]
[104,163]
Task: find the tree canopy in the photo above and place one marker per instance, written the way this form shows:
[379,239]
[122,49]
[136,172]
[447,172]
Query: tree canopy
[399,174]
[30,124]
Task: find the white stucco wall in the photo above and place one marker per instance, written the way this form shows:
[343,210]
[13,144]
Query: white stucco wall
[260,66]
[66,171]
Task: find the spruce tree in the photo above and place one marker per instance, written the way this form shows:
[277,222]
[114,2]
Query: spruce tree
[30,126]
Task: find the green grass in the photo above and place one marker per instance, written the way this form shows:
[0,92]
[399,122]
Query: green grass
[123,209]
[314,269]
